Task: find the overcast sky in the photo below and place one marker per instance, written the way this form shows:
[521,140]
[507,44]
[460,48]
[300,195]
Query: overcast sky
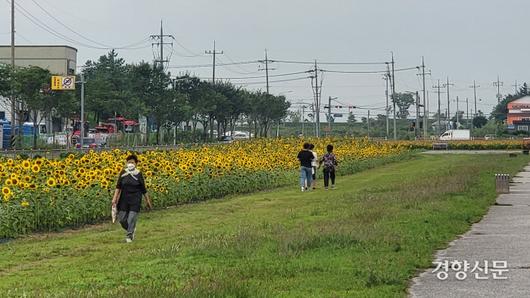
[466,40]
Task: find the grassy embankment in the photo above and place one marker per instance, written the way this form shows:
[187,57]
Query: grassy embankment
[365,239]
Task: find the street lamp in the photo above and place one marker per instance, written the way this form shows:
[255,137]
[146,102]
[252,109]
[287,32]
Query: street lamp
[82,126]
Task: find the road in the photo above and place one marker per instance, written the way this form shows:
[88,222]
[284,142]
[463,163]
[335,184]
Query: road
[502,235]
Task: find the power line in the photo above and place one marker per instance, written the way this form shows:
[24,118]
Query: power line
[262,77]
[369,71]
[45,27]
[327,63]
[68,28]
[244,71]
[37,22]
[276,81]
[209,65]
[192,53]
[233,70]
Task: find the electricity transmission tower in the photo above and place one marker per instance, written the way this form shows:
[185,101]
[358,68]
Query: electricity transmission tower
[158,41]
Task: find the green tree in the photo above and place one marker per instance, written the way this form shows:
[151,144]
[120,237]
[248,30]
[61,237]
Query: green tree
[33,94]
[6,73]
[479,121]
[107,88]
[403,102]
[190,87]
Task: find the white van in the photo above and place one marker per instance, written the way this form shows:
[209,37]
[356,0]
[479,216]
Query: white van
[456,135]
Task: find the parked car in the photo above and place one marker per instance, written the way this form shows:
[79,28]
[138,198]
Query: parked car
[241,136]
[489,137]
[226,139]
[88,143]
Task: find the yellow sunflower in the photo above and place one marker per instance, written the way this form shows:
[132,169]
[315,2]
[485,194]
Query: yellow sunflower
[51,182]
[6,191]
[35,168]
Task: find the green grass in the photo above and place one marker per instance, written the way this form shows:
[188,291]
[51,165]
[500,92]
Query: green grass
[367,238]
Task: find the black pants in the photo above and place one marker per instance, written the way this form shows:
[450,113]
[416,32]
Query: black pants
[329,174]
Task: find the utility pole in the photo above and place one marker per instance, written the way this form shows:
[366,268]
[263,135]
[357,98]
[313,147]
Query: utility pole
[475,86]
[368,121]
[317,91]
[267,71]
[303,119]
[13,33]
[448,100]
[386,77]
[467,112]
[82,128]
[215,53]
[472,129]
[329,116]
[438,87]
[13,103]
[160,44]
[266,62]
[417,125]
[457,115]
[394,95]
[425,116]
[498,84]
[516,87]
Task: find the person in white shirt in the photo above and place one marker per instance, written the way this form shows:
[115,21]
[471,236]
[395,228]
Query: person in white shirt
[314,165]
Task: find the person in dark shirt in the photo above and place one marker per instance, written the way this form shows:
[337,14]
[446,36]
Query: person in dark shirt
[329,161]
[128,196]
[306,171]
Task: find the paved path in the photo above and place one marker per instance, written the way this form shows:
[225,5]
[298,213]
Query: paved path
[502,235]
[472,151]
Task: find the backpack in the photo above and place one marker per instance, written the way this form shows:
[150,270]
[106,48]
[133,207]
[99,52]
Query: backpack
[329,161]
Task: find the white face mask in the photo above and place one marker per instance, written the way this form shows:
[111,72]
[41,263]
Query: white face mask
[131,166]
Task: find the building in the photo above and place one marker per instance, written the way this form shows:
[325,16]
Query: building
[58,59]
[519,114]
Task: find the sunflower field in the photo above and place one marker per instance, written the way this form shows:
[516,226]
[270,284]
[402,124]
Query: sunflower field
[497,144]
[48,194]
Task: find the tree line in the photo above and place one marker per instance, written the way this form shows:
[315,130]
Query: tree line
[203,106]
[142,89]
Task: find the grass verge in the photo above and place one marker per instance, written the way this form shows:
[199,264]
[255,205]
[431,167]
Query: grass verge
[365,239]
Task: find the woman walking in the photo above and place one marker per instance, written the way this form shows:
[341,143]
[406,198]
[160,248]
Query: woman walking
[128,196]
[330,163]
[305,157]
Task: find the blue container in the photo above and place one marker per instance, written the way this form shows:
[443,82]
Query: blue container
[27,130]
[6,134]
